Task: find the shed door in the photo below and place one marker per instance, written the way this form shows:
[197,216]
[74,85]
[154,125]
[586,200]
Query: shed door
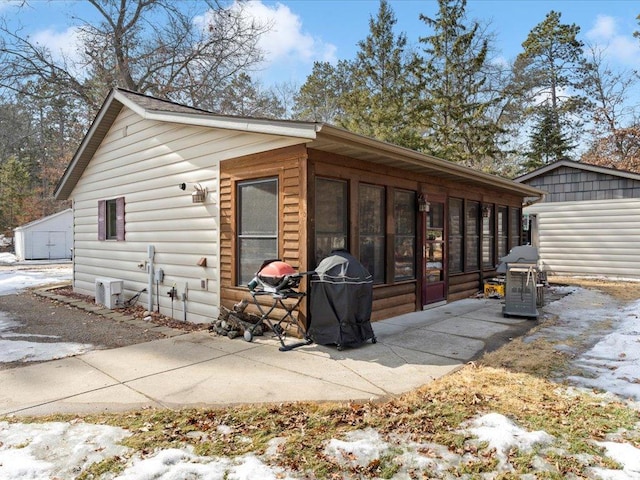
[48,245]
[434,286]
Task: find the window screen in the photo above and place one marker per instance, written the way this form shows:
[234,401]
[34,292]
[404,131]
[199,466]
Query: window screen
[257,226]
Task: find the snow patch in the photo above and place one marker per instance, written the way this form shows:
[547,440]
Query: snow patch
[55,450]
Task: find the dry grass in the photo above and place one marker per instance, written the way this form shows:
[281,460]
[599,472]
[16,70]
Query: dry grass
[623,291]
[539,358]
[430,414]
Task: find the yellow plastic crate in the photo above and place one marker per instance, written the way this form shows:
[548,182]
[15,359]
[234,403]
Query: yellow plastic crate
[494,290]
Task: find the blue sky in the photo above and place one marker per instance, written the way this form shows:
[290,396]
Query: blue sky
[308,30]
[337,25]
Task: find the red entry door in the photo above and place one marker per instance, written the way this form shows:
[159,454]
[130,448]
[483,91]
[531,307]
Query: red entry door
[434,288]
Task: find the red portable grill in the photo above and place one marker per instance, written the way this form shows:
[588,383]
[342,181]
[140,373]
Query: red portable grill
[279,281]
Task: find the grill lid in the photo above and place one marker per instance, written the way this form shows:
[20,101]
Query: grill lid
[526,254]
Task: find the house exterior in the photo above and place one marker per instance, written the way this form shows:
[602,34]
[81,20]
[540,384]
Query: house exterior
[48,238]
[588,223]
[205,198]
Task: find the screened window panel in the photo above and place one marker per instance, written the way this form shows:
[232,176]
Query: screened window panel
[472,237]
[257,226]
[456,219]
[405,240]
[503,231]
[258,203]
[515,221]
[252,253]
[488,238]
[371,207]
[331,217]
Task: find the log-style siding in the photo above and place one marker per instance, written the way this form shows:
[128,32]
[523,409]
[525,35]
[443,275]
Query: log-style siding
[396,299]
[289,166]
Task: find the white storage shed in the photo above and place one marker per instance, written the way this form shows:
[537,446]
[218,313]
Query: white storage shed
[48,238]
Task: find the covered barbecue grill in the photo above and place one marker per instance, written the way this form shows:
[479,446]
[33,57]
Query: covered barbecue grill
[341,299]
[521,281]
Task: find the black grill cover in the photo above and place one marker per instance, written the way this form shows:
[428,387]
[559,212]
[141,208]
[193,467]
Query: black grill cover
[340,301]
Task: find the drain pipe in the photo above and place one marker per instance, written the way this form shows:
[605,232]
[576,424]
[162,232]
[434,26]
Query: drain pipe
[150,270]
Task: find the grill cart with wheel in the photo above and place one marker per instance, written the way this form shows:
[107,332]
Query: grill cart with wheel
[277,282]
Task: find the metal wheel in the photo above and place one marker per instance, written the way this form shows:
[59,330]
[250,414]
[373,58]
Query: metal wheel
[248,336]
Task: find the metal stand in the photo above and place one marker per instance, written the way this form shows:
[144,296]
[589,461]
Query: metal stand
[278,298]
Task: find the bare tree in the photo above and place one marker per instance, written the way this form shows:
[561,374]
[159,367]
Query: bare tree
[158,47]
[611,114]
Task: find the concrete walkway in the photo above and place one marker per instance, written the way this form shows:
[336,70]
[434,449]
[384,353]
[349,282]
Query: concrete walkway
[202,369]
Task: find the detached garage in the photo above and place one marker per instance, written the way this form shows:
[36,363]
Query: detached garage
[588,223]
[48,238]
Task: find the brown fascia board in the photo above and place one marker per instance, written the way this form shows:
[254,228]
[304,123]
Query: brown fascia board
[429,162]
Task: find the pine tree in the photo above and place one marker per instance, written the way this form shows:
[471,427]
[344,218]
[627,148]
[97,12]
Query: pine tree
[376,103]
[549,72]
[14,190]
[319,99]
[456,101]
[548,141]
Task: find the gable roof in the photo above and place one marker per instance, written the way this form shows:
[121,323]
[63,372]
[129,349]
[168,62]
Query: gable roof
[578,166]
[319,136]
[37,221]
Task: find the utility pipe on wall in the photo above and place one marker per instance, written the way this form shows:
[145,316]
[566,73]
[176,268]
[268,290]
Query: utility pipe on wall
[150,255]
[184,301]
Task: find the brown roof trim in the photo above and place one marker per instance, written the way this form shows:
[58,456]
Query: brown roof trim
[423,162]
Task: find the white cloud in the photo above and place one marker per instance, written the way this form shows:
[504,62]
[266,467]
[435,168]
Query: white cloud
[289,51]
[621,47]
[286,39]
[604,28]
[62,45]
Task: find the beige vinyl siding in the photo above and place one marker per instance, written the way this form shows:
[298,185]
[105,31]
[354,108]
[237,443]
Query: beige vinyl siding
[589,237]
[144,161]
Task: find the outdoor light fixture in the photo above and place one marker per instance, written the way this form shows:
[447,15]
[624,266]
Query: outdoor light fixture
[199,194]
[423,204]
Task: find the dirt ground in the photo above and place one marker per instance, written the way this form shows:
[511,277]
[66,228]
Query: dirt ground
[41,316]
